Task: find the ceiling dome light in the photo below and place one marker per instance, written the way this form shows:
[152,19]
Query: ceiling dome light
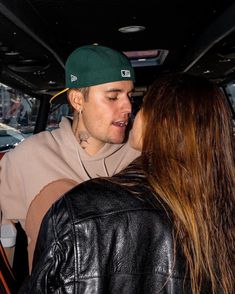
[12,53]
[131,29]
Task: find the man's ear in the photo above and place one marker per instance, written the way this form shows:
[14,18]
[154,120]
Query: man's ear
[76,98]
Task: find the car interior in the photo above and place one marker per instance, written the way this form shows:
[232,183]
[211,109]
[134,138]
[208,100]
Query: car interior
[197,37]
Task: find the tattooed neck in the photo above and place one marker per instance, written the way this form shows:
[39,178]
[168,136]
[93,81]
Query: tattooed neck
[83,139]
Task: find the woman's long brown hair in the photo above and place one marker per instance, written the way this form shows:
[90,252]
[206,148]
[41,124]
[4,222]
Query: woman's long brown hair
[188,157]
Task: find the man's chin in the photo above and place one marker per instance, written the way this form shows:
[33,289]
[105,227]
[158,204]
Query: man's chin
[117,140]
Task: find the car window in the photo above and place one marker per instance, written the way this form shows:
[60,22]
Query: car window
[9,137]
[18,116]
[56,114]
[18,110]
[230,91]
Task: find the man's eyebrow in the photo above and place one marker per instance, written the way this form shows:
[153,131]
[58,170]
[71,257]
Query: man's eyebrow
[117,90]
[113,90]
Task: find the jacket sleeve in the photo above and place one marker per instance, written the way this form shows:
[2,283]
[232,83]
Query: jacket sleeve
[51,271]
[12,195]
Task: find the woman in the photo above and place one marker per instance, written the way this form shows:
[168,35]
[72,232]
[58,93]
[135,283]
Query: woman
[165,224]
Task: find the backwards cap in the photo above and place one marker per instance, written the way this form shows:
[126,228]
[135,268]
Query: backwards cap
[94,65]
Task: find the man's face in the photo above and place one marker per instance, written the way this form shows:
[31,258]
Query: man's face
[106,112]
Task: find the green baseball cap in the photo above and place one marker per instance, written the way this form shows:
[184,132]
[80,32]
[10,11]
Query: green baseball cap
[92,65]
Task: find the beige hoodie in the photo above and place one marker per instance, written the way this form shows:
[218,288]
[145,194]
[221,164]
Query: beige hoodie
[51,156]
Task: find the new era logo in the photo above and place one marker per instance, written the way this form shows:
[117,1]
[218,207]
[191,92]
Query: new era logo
[73,78]
[125,73]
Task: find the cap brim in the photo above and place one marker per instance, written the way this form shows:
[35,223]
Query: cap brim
[59,98]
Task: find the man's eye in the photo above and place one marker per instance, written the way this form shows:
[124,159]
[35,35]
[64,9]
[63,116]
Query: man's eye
[112,98]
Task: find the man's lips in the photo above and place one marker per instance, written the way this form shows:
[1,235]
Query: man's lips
[120,123]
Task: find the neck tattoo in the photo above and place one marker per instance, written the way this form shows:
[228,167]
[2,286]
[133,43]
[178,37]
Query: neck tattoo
[83,139]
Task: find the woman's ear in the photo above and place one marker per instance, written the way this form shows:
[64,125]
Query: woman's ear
[75,98]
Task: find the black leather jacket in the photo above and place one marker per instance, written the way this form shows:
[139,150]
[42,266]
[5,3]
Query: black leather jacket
[102,237]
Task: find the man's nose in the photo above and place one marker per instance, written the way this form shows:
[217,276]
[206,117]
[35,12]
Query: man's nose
[126,106]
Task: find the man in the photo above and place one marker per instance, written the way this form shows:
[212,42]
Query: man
[99,83]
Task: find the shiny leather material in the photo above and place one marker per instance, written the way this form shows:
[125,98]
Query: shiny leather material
[105,238]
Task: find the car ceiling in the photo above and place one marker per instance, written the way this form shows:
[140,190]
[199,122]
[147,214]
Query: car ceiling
[38,35]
